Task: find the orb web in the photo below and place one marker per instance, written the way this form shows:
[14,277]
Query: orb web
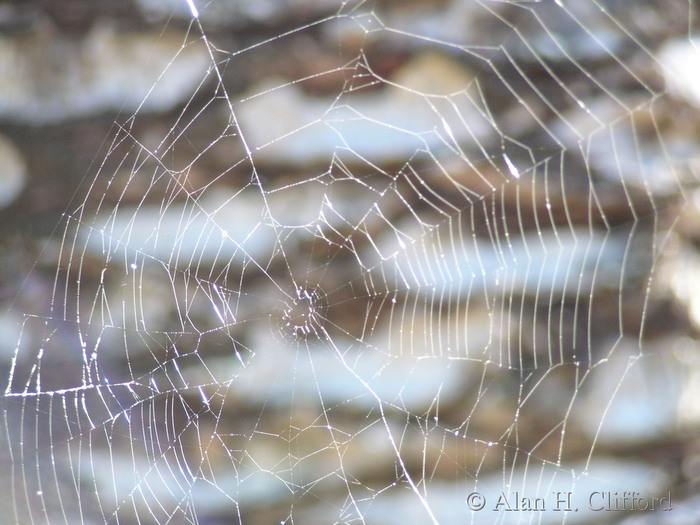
[386,256]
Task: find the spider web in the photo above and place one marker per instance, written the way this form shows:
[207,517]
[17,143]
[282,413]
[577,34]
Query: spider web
[420,255]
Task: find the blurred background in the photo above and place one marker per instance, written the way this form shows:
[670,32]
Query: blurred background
[348,262]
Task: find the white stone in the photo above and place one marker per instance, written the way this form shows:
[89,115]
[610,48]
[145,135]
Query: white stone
[362,377]
[13,172]
[680,65]
[238,13]
[563,261]
[681,274]
[430,104]
[123,474]
[216,228]
[49,78]
[446,503]
[628,144]
[638,396]
[10,332]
